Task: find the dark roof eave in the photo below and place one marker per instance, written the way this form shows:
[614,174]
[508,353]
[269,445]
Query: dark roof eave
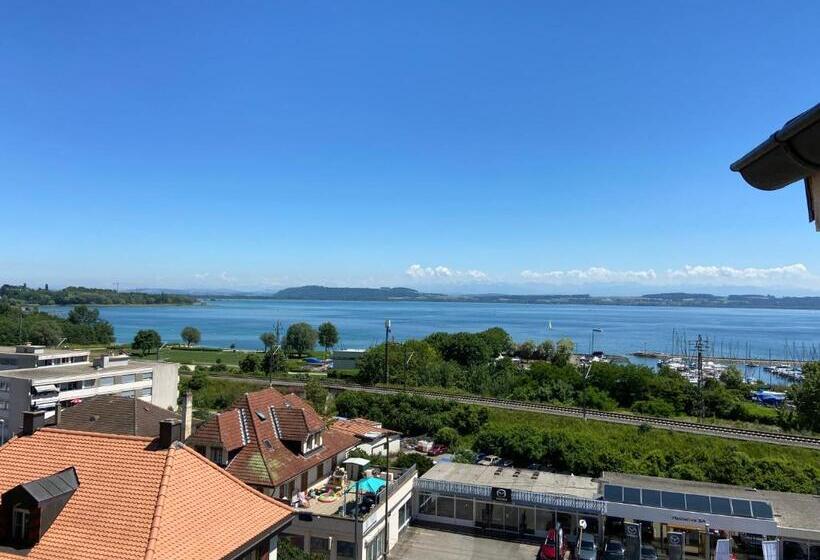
[789,155]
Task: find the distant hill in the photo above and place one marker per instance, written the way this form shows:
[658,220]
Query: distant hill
[76,295]
[672,299]
[357,294]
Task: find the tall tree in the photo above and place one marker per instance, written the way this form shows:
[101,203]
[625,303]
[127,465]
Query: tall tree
[300,338]
[328,335]
[316,394]
[807,398]
[274,361]
[146,340]
[269,340]
[191,335]
[83,315]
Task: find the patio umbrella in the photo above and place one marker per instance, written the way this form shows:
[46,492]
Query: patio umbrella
[367,485]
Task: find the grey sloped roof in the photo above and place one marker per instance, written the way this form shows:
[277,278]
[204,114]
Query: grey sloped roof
[53,486]
[790,154]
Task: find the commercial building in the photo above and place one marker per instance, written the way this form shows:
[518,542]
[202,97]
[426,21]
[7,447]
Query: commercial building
[27,356]
[527,503]
[90,496]
[67,377]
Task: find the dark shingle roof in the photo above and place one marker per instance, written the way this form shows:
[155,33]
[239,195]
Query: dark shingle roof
[52,486]
[111,414]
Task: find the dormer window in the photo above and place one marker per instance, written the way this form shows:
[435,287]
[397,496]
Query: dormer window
[19,523]
[28,510]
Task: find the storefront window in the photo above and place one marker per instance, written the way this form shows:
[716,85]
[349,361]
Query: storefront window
[592,524]
[511,518]
[526,521]
[567,525]
[464,509]
[497,519]
[544,520]
[446,507]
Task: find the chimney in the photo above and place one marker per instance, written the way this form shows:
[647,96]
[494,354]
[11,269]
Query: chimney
[169,431]
[58,414]
[187,414]
[33,420]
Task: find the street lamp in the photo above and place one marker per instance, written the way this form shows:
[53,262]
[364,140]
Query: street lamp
[386,351]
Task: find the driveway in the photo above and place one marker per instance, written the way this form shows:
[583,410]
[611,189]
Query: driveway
[420,543]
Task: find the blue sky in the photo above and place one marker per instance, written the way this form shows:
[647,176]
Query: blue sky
[464,146]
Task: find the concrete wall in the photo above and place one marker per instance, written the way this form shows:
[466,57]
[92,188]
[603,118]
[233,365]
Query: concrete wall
[19,399]
[165,387]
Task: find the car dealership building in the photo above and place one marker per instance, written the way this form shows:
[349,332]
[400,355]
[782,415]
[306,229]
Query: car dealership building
[524,503]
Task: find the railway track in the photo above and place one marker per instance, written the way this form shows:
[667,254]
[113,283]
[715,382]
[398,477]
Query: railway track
[577,412]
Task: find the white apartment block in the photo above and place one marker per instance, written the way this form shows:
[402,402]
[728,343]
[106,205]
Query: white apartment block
[39,378]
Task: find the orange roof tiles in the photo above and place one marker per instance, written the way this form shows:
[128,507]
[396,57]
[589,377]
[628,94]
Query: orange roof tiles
[265,460]
[136,501]
[360,426]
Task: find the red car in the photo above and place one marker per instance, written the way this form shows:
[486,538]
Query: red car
[437,450]
[553,546]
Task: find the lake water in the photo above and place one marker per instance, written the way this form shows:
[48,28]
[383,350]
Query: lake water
[786,334]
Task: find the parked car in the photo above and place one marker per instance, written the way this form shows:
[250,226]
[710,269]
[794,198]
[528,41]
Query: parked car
[587,548]
[490,461]
[648,552]
[535,467]
[479,457]
[507,463]
[552,547]
[614,550]
[437,449]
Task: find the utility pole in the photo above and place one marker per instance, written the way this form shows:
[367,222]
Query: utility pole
[699,346]
[386,492]
[386,351]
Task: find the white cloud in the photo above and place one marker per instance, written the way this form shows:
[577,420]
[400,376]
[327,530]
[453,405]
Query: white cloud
[794,275]
[727,273]
[418,272]
[594,274]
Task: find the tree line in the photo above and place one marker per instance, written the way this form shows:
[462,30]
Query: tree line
[588,448]
[82,326]
[77,295]
[483,363]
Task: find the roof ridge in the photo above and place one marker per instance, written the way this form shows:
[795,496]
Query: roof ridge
[233,478]
[156,520]
[94,434]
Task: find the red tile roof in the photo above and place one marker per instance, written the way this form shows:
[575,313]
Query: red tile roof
[265,460]
[135,501]
[361,426]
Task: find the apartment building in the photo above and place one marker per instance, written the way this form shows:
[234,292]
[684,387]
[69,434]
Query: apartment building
[59,377]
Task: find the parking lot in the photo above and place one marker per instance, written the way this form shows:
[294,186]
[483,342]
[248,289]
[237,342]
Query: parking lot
[419,543]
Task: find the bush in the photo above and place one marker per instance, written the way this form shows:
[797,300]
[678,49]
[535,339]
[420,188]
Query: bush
[249,364]
[447,436]
[654,407]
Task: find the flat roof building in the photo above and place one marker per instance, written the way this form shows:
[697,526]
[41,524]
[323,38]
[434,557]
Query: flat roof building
[45,387]
[525,503]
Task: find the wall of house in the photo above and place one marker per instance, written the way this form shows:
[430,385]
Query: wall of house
[18,400]
[166,385]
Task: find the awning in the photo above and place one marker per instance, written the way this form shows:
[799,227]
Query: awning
[45,389]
